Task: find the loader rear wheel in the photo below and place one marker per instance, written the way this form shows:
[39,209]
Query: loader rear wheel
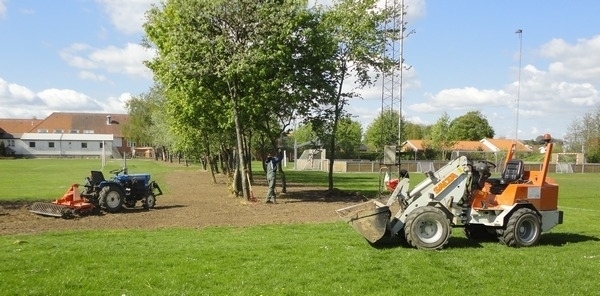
[427,228]
[111,199]
[522,230]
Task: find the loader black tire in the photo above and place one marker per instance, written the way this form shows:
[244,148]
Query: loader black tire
[427,228]
[522,229]
[111,198]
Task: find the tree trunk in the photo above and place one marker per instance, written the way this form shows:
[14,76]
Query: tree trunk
[283,182]
[339,105]
[241,165]
[212,171]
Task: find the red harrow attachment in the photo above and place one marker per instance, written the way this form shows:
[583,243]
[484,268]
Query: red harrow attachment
[67,206]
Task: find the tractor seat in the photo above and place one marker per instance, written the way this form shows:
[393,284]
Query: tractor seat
[513,172]
[97,177]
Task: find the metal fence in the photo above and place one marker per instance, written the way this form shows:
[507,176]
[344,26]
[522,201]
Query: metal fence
[365,166]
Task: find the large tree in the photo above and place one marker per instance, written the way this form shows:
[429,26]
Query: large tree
[355,26]
[237,64]
[140,111]
[383,130]
[440,137]
[583,135]
[348,138]
[472,126]
[413,131]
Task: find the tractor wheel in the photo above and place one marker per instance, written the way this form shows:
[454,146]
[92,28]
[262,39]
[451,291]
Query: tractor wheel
[150,201]
[480,233]
[522,230]
[111,199]
[427,228]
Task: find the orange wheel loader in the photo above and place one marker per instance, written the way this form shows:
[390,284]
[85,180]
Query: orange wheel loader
[514,208]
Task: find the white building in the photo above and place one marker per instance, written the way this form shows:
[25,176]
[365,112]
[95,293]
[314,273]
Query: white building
[64,145]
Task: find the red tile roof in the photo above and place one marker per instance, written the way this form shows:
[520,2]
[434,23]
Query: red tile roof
[17,126]
[96,122]
[506,144]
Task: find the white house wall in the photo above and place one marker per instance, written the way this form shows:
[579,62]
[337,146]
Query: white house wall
[67,145]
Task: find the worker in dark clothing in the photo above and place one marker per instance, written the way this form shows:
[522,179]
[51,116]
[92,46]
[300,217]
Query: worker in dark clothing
[271,164]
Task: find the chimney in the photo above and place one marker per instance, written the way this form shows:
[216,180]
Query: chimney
[108,121]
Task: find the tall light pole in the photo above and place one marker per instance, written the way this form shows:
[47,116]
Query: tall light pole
[520,33]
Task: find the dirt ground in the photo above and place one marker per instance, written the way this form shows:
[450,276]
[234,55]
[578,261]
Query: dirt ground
[193,201]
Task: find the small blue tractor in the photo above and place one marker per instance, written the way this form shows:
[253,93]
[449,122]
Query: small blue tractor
[122,190]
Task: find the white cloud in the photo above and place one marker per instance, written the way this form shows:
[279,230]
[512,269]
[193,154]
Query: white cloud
[2,8]
[128,60]
[127,16]
[11,94]
[87,75]
[574,61]
[67,99]
[117,104]
[25,103]
[423,108]
[548,94]
[469,98]
[69,54]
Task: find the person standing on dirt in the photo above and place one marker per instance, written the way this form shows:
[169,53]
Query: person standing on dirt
[271,165]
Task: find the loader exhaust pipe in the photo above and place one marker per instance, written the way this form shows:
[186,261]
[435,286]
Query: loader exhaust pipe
[370,219]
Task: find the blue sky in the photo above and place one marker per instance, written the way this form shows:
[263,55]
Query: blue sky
[85,56]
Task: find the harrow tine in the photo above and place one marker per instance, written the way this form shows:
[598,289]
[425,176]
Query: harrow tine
[50,209]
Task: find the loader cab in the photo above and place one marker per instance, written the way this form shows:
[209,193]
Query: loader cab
[513,172]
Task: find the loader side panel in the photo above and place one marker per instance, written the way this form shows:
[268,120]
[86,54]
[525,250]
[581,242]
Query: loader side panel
[543,198]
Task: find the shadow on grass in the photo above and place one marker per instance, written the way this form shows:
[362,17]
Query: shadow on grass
[398,242]
[136,210]
[547,239]
[561,239]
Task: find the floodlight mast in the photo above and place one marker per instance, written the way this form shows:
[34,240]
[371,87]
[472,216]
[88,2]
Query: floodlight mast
[520,33]
[392,79]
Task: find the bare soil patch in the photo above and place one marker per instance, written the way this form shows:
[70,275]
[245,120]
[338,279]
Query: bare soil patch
[193,201]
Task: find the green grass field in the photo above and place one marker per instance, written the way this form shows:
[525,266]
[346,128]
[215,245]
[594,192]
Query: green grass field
[48,179]
[302,259]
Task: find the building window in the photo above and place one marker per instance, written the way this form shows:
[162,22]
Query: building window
[101,145]
[11,143]
[131,144]
[88,131]
[31,144]
[42,131]
[73,131]
[50,144]
[58,131]
[83,145]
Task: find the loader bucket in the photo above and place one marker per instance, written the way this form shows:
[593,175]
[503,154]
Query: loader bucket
[51,209]
[370,219]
